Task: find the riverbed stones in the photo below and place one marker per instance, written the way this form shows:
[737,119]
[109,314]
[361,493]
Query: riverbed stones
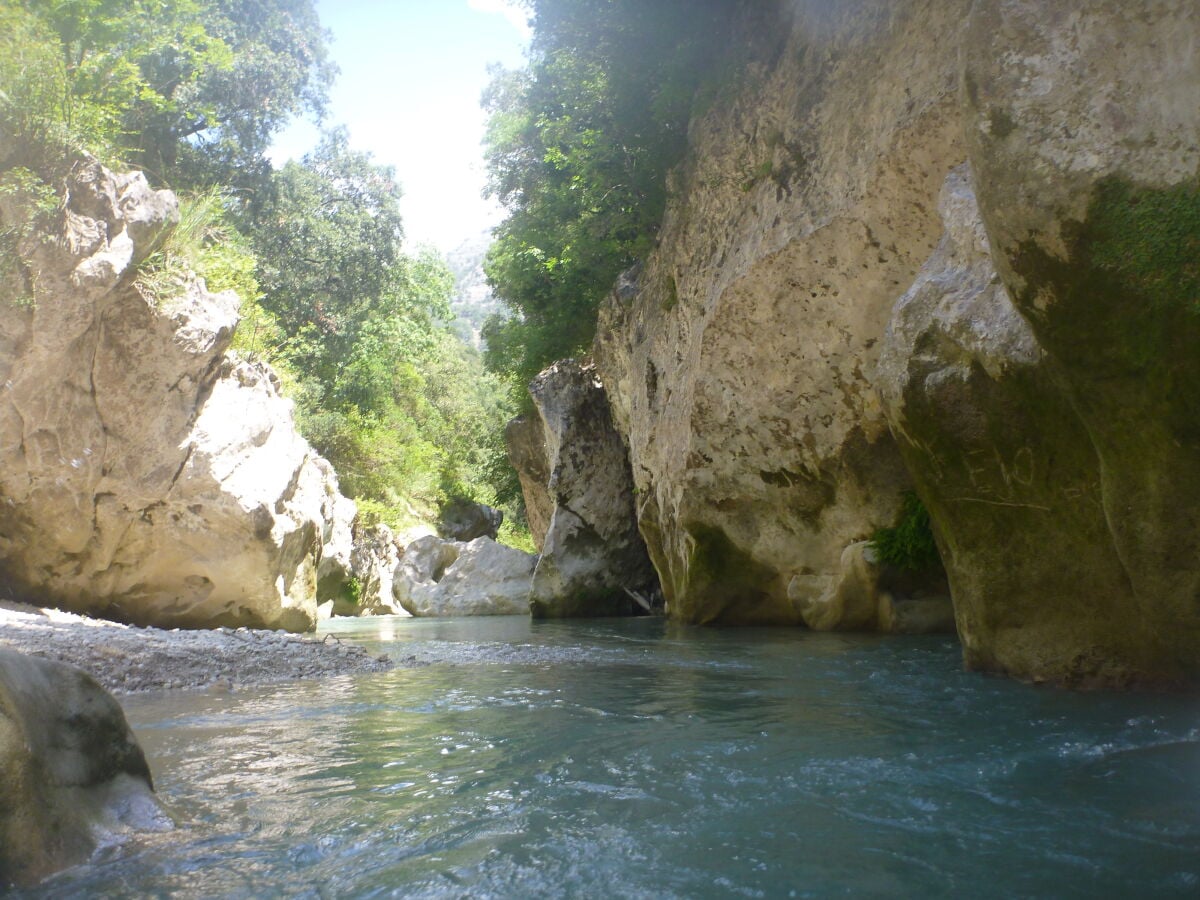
[71,772]
[146,475]
[740,364]
[593,561]
[450,578]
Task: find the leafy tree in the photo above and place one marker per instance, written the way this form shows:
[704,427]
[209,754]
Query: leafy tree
[399,405]
[191,90]
[578,147]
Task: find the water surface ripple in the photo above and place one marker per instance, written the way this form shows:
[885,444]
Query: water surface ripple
[639,759]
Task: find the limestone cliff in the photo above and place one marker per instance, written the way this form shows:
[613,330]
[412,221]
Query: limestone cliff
[1045,391]
[1041,371]
[145,475]
[741,365]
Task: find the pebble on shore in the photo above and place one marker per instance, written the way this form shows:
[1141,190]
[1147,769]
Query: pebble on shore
[126,659]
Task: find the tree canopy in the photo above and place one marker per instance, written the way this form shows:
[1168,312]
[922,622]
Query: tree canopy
[190,90]
[579,145]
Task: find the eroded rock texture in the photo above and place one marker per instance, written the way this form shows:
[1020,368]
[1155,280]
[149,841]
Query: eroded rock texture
[144,475]
[437,578]
[741,363]
[525,439]
[593,561]
[1084,139]
[71,772]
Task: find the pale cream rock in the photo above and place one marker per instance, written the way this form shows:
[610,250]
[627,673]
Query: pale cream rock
[741,364]
[145,475]
[437,577]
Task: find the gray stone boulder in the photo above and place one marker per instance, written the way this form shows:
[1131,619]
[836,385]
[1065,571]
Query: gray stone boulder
[72,775]
[464,520]
[449,578]
[146,475]
[593,561]
[376,558]
[525,440]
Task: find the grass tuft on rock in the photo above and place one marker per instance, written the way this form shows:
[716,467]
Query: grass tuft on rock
[909,543]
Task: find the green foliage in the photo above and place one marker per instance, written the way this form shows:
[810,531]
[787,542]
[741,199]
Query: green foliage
[909,543]
[191,90]
[204,243]
[26,202]
[400,406]
[1148,240]
[578,147]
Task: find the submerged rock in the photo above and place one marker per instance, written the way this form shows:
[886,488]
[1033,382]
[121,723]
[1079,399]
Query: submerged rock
[593,561]
[449,578]
[72,776]
[146,476]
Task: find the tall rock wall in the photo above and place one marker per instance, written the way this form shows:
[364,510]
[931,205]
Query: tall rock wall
[741,364]
[1074,542]
[1041,369]
[144,475]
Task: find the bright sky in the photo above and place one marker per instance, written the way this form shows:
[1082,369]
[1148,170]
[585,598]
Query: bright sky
[412,72]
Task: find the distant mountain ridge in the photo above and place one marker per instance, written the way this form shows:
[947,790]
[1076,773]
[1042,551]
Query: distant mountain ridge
[473,300]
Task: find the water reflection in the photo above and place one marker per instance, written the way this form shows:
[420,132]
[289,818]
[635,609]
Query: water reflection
[638,759]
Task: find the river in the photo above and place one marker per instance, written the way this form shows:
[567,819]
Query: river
[634,758]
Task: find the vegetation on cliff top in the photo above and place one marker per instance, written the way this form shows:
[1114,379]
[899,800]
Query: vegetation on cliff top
[578,148]
[192,92]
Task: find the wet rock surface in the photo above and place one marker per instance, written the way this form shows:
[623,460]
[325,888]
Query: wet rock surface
[72,776]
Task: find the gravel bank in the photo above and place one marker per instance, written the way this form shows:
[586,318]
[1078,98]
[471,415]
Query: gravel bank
[126,659]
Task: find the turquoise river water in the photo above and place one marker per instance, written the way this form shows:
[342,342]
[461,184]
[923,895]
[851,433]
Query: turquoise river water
[632,758]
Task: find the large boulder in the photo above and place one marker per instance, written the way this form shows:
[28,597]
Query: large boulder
[146,476]
[464,520]
[525,439]
[1066,490]
[593,561]
[448,578]
[376,558]
[72,775]
[740,362]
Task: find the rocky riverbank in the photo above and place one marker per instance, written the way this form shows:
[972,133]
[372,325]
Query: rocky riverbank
[127,659]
